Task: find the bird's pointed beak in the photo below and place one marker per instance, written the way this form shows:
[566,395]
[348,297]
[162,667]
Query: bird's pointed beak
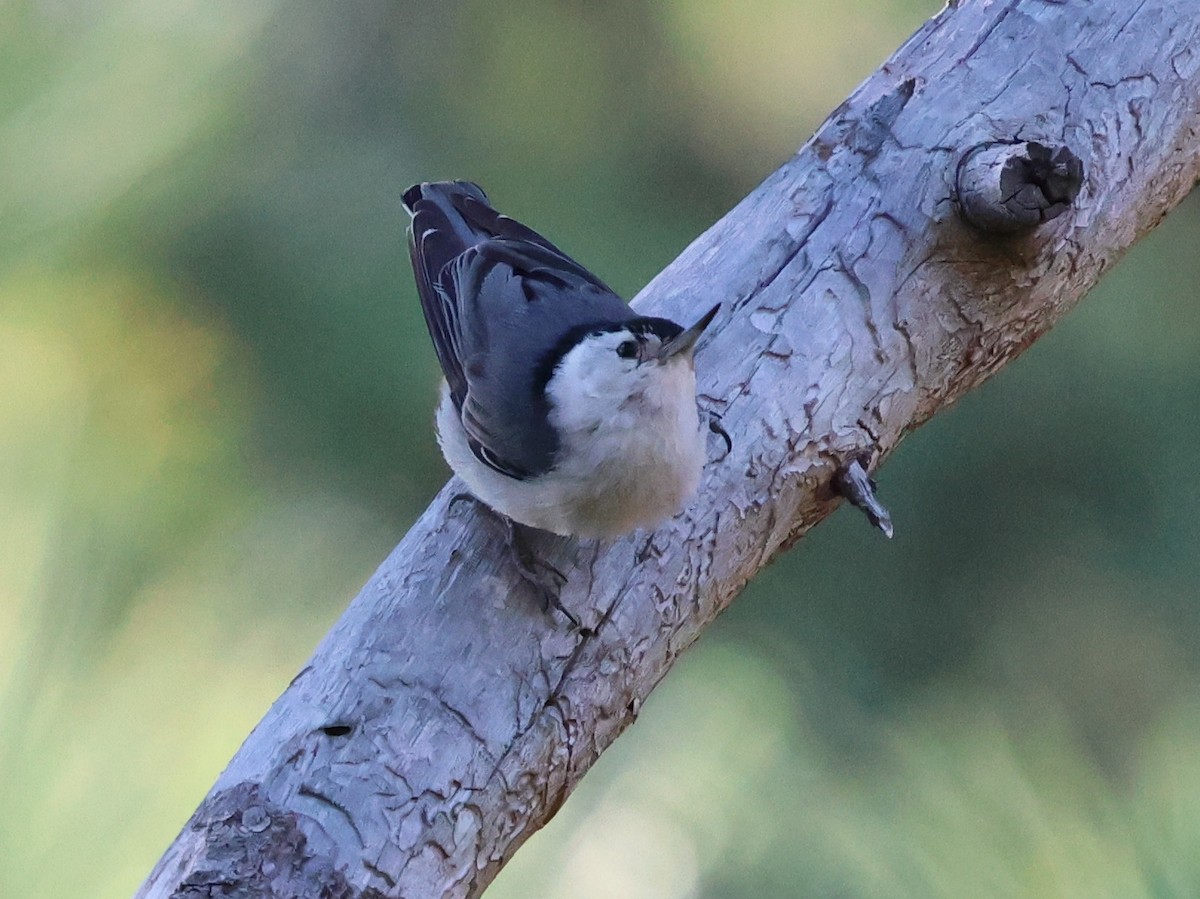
[685,342]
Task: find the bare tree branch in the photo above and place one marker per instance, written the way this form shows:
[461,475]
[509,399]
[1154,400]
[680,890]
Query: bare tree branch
[445,717]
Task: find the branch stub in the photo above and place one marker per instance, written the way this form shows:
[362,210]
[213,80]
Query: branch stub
[1009,187]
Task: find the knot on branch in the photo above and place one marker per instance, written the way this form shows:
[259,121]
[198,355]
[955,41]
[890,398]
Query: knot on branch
[246,845]
[1004,188]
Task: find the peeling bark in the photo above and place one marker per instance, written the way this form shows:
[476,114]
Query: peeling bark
[445,717]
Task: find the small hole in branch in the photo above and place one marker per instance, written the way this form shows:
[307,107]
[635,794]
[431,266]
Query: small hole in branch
[336,730]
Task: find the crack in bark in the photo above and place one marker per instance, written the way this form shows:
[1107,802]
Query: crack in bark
[986,34]
[450,712]
[1128,79]
[814,222]
[323,799]
[380,873]
[864,296]
[910,350]
[1133,15]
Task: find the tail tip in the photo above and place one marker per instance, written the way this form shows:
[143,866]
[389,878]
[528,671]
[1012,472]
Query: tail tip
[426,189]
[410,197]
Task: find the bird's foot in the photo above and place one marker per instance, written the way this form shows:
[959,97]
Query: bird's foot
[546,580]
[716,427]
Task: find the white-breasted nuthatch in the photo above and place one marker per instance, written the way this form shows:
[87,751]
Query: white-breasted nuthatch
[562,408]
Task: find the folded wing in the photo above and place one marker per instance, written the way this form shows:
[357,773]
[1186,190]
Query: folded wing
[502,304]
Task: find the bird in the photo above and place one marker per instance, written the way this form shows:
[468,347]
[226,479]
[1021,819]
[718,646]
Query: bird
[562,409]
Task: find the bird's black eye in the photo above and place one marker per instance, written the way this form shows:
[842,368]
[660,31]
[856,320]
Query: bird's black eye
[628,349]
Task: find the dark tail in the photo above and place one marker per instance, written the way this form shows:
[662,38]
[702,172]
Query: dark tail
[448,218]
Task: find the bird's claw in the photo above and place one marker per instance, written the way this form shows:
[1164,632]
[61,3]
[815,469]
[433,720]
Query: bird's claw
[537,573]
[716,427]
[545,579]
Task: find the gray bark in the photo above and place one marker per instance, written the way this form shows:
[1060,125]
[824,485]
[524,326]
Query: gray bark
[446,717]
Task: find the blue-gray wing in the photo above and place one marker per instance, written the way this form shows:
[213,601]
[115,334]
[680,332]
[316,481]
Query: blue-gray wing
[502,304]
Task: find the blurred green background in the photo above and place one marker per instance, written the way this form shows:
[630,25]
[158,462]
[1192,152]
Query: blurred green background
[215,421]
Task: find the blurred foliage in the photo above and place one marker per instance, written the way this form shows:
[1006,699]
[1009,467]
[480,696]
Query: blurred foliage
[216,414]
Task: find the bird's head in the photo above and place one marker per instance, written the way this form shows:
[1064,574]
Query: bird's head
[642,357]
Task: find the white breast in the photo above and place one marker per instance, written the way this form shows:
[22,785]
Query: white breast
[634,455]
[630,455]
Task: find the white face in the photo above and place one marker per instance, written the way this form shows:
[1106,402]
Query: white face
[632,349]
[617,374]
[615,364]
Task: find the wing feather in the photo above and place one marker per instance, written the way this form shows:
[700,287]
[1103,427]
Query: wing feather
[499,299]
